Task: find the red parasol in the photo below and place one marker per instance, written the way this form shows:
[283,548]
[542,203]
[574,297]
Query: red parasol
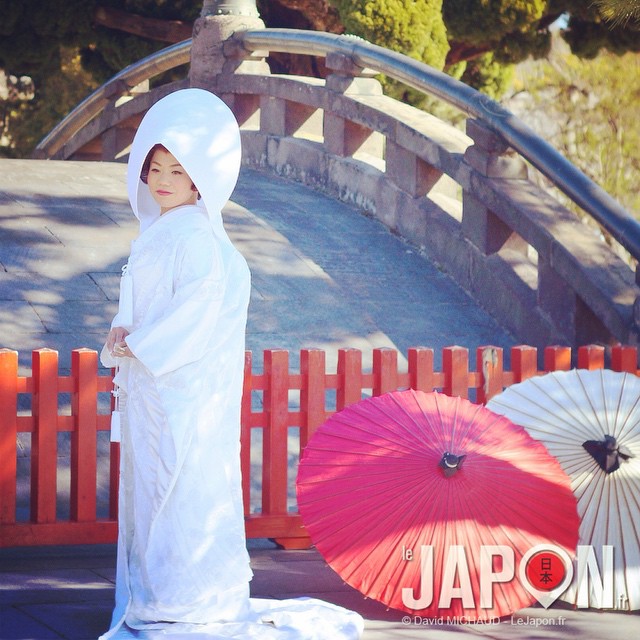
[428,504]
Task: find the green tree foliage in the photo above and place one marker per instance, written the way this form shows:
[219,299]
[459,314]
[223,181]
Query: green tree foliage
[477,22]
[592,27]
[31,32]
[414,28]
[475,40]
[620,11]
[488,73]
[510,30]
[31,43]
[111,50]
[588,110]
[60,92]
[39,39]
[517,29]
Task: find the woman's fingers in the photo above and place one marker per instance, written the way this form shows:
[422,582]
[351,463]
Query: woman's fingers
[116,336]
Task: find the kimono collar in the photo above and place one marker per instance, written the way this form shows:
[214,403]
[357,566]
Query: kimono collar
[201,132]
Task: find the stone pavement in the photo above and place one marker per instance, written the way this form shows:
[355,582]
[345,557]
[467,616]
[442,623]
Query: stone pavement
[324,276]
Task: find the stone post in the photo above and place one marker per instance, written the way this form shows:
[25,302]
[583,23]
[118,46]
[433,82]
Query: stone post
[210,58]
[489,156]
[343,137]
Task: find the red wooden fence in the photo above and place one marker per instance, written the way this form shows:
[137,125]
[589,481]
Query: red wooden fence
[320,393]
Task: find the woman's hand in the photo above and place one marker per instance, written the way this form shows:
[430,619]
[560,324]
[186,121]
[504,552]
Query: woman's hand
[116,344]
[121,350]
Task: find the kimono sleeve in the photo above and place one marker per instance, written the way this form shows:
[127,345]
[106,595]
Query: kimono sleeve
[183,331]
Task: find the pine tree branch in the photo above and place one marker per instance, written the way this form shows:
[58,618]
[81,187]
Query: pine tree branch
[170,31]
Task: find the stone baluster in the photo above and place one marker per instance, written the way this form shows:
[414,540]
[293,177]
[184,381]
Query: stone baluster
[344,137]
[489,155]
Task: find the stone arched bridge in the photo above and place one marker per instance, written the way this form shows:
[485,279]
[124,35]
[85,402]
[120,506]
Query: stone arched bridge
[471,201]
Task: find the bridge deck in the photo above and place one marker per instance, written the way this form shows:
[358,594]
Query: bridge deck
[324,276]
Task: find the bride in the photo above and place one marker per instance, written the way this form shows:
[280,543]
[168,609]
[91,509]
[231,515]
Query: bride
[178,344]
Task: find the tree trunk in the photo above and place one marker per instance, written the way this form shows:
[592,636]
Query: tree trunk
[170,31]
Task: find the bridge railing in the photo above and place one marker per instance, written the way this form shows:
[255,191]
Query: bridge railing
[47,498]
[521,138]
[465,198]
[66,137]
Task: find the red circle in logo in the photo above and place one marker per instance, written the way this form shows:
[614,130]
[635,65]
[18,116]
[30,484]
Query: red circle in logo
[545,570]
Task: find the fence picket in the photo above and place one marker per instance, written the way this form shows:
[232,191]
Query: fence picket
[624,358]
[114,479]
[489,362]
[84,409]
[421,373]
[349,378]
[385,370]
[591,357]
[557,358]
[524,363]
[44,439]
[275,433]
[8,435]
[245,432]
[455,365]
[313,392]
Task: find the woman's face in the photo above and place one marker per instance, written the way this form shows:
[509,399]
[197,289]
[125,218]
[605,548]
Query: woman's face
[169,183]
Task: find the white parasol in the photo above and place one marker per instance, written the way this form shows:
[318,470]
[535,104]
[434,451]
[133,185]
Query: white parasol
[590,421]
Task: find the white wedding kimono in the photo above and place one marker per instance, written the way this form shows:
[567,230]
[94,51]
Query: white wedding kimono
[183,567]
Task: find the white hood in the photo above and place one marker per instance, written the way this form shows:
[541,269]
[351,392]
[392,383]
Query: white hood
[201,132]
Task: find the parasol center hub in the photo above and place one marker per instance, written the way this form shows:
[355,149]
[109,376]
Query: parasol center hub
[450,463]
[607,453]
